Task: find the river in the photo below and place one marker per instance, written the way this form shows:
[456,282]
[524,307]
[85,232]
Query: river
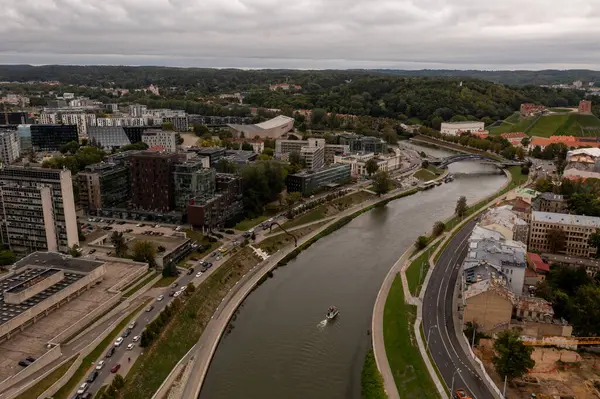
[281,347]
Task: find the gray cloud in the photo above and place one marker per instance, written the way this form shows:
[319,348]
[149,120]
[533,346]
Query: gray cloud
[411,34]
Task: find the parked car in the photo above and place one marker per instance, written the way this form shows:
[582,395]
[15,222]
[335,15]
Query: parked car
[190,270]
[110,352]
[204,269]
[208,265]
[177,294]
[132,325]
[126,333]
[24,363]
[119,341]
[160,298]
[115,368]
[92,251]
[92,377]
[82,388]
[99,365]
[198,274]
[30,359]
[175,284]
[172,293]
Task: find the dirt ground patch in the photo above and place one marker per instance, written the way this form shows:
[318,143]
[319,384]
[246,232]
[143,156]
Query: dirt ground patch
[558,373]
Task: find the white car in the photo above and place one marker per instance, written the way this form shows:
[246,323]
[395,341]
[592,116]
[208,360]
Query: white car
[119,341]
[160,298]
[157,226]
[198,274]
[176,294]
[183,288]
[218,257]
[138,225]
[130,347]
[99,365]
[136,338]
[82,388]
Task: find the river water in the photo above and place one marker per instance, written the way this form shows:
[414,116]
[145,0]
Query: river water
[281,347]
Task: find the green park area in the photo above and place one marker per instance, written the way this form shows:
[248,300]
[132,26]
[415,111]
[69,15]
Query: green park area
[428,174]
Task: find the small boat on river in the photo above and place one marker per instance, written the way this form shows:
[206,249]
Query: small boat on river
[332,313]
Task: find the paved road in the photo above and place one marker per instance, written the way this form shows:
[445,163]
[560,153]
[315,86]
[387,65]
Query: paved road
[438,320]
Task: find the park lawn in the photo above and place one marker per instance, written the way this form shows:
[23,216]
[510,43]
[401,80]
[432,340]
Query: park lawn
[142,283]
[47,382]
[247,224]
[165,281]
[517,124]
[548,125]
[371,380]
[185,327]
[408,367]
[413,271]
[425,175]
[318,213]
[513,118]
[90,360]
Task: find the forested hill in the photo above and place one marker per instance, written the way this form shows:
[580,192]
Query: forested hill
[225,79]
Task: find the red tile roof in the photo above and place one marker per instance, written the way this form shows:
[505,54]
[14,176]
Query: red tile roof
[513,135]
[540,265]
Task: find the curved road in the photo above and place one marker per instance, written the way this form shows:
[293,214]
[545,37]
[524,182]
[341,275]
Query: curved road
[439,317]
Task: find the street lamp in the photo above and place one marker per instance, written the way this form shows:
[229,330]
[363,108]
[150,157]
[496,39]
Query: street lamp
[454,375]
[429,333]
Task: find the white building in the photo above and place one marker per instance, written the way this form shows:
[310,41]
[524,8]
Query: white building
[455,128]
[81,119]
[10,146]
[120,121]
[161,138]
[313,156]
[358,162]
[271,129]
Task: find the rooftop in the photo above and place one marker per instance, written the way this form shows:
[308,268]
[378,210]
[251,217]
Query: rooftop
[499,253]
[572,260]
[58,261]
[496,285]
[563,218]
[513,135]
[593,152]
[551,197]
[278,121]
[538,262]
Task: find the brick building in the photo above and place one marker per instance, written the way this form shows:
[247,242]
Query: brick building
[585,107]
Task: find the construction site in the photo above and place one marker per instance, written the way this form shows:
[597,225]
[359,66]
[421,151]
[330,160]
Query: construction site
[558,373]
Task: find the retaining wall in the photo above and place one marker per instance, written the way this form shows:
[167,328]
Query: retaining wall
[41,362]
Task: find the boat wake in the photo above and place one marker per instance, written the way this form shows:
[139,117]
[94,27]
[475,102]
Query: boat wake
[322,323]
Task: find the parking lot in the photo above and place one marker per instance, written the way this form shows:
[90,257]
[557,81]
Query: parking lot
[32,341]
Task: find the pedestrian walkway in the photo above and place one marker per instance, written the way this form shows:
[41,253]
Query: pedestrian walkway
[259,252]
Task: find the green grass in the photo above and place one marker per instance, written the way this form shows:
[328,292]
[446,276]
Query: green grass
[142,283]
[513,123]
[165,281]
[371,380]
[247,224]
[413,271]
[566,125]
[513,118]
[408,367]
[90,359]
[185,328]
[560,110]
[135,282]
[318,213]
[428,174]
[47,382]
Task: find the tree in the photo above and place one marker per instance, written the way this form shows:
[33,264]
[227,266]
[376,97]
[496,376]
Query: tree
[512,358]
[371,166]
[292,199]
[544,185]
[520,153]
[524,170]
[190,288]
[118,382]
[421,242]
[201,130]
[75,251]
[381,183]
[118,242]
[144,251]
[556,240]
[425,164]
[438,228]
[525,141]
[161,249]
[7,257]
[586,311]
[70,147]
[389,135]
[167,126]
[247,147]
[461,206]
[595,241]
[295,159]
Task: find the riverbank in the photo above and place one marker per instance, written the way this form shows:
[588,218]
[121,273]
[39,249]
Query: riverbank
[205,348]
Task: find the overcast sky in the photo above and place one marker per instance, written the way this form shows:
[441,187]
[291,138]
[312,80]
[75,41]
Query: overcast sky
[315,34]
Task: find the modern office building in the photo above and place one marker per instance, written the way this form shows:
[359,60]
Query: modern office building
[14,118]
[10,146]
[311,181]
[166,141]
[134,133]
[25,137]
[271,129]
[359,143]
[180,122]
[214,154]
[152,180]
[126,121]
[192,180]
[52,137]
[37,209]
[224,207]
[577,231]
[104,185]
[456,128]
[313,157]
[109,137]
[283,148]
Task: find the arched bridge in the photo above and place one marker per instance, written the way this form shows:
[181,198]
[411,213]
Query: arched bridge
[444,162]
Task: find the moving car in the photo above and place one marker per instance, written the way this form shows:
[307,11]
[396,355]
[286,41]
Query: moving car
[115,368]
[130,347]
[190,270]
[175,284]
[92,377]
[119,341]
[126,333]
[160,298]
[99,365]
[136,338]
[149,308]
[110,352]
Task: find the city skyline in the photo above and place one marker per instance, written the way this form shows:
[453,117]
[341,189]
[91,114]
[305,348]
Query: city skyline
[309,34]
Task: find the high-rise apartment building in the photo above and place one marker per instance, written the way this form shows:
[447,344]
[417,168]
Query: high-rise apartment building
[313,156]
[10,146]
[152,180]
[37,209]
[104,185]
[192,180]
[52,137]
[166,140]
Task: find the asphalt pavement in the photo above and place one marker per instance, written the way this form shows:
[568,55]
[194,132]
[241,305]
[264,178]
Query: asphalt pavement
[454,364]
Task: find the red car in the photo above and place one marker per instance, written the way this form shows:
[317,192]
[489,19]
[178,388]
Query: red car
[115,368]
